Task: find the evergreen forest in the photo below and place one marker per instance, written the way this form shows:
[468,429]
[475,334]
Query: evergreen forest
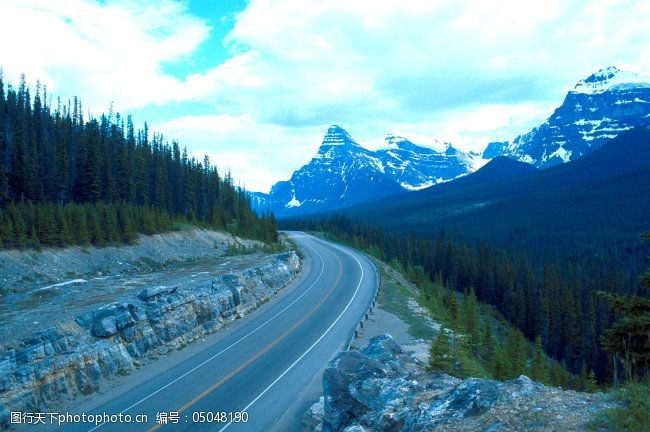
[567,309]
[66,179]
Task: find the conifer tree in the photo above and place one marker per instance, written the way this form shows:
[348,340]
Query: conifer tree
[488,344]
[63,219]
[94,230]
[440,355]
[79,225]
[500,363]
[592,385]
[471,320]
[20,230]
[34,242]
[538,367]
[452,306]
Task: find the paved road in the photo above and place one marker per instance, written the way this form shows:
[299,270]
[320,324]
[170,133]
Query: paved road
[267,366]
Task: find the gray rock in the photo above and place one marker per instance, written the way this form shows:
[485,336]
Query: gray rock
[355,428]
[382,389]
[313,419]
[346,370]
[115,317]
[474,397]
[54,363]
[151,292]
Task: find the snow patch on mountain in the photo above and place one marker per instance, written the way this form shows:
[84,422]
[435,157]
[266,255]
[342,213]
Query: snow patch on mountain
[599,108]
[343,172]
[611,78]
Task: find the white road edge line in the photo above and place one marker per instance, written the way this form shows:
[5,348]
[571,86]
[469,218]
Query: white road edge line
[228,347]
[313,345]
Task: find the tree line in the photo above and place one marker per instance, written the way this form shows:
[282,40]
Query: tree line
[57,166]
[545,299]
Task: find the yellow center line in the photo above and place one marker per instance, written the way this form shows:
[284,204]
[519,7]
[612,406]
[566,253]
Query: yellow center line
[264,350]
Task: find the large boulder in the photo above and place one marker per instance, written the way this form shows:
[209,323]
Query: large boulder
[115,317]
[382,389]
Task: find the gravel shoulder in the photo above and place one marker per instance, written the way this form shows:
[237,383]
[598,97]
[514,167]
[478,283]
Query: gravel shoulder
[398,314]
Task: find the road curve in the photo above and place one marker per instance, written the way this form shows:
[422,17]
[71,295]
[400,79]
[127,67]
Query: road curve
[267,366]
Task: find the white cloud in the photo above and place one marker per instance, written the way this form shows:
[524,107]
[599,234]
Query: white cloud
[104,52]
[363,60]
[257,155]
[466,71]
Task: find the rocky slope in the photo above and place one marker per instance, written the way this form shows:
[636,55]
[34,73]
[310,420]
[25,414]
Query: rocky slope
[74,357]
[599,108]
[381,388]
[38,288]
[343,173]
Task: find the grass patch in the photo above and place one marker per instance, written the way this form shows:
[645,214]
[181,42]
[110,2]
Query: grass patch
[236,249]
[394,296]
[632,412]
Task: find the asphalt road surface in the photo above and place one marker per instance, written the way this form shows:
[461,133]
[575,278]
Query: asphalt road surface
[259,375]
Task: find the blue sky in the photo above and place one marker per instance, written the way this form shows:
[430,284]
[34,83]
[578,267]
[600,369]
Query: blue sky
[256,83]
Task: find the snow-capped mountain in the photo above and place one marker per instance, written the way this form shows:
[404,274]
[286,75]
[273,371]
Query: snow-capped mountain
[344,173]
[595,111]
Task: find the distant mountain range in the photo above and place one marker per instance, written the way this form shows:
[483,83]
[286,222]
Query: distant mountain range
[598,109]
[344,173]
[605,191]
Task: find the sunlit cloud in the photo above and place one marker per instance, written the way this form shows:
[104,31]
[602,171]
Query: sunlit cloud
[463,71]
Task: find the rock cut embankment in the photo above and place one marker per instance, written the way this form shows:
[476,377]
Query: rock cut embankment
[75,357]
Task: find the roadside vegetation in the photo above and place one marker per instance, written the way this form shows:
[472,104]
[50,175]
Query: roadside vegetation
[474,340]
[477,340]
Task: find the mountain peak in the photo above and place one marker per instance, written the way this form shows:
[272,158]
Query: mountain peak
[337,136]
[395,139]
[610,78]
[600,107]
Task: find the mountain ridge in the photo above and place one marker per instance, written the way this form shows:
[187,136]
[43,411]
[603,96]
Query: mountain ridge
[344,173]
[598,108]
[620,167]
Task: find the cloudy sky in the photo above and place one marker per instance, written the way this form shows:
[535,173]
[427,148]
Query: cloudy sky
[255,84]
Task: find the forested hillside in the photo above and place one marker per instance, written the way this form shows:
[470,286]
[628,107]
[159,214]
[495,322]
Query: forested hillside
[554,300]
[69,180]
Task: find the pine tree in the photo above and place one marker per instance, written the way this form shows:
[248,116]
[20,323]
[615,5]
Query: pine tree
[4,232]
[57,158]
[538,367]
[20,230]
[500,364]
[592,385]
[440,355]
[127,225]
[452,305]
[148,221]
[489,345]
[46,226]
[79,225]
[34,242]
[63,220]
[94,229]
[471,320]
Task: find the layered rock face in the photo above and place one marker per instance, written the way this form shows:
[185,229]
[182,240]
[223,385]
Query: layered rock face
[380,388]
[72,358]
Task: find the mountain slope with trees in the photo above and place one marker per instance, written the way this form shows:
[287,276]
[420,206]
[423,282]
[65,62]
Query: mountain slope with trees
[68,180]
[507,196]
[554,300]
